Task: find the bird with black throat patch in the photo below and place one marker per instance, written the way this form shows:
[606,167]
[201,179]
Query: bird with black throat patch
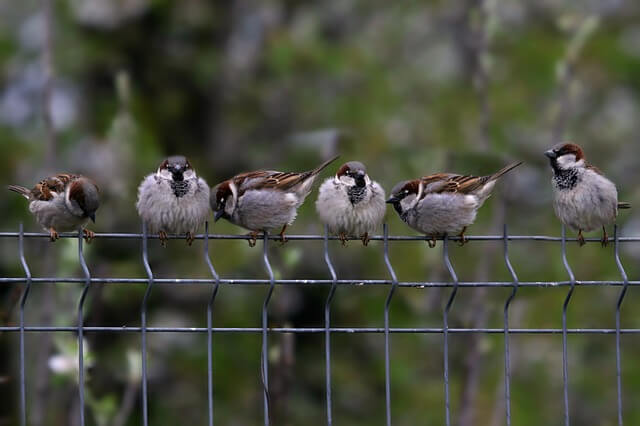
[173,200]
[350,203]
[63,203]
[583,198]
[263,200]
[443,203]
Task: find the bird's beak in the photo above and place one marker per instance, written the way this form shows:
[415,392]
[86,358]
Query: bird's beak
[92,216]
[177,173]
[392,200]
[551,154]
[360,178]
[218,215]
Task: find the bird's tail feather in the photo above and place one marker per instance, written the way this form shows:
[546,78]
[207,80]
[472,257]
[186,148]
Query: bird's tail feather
[323,165]
[624,205]
[504,170]
[20,190]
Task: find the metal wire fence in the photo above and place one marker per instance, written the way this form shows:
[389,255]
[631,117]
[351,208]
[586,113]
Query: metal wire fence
[215,281]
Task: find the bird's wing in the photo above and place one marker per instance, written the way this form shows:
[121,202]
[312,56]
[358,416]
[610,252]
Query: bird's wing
[48,187]
[450,182]
[271,179]
[268,179]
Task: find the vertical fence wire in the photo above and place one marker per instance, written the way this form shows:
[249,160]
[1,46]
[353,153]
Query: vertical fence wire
[387,304]
[143,324]
[327,324]
[23,301]
[507,353]
[445,330]
[565,360]
[265,331]
[83,296]
[623,292]
[212,298]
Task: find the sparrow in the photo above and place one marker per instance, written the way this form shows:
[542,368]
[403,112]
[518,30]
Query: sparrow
[173,200]
[350,203]
[443,203]
[62,203]
[583,198]
[263,200]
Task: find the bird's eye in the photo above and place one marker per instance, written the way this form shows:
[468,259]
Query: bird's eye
[406,191]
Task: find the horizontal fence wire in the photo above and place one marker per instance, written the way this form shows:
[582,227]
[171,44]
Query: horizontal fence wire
[135,236]
[318,330]
[217,283]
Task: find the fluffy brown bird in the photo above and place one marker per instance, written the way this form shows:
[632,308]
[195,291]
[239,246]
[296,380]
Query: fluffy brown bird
[351,203]
[263,200]
[443,203]
[583,198]
[62,203]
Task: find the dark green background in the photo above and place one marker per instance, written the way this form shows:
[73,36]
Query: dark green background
[241,85]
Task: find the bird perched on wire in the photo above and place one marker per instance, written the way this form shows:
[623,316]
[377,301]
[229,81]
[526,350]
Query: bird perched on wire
[583,198]
[62,203]
[443,203]
[350,203]
[263,200]
[173,200]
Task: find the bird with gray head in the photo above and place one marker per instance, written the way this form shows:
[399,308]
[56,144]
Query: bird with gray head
[263,200]
[443,203]
[173,200]
[583,198]
[63,203]
[350,203]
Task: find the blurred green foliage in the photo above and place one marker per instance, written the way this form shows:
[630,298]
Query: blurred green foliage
[252,84]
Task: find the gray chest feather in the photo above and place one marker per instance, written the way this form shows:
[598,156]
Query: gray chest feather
[180,188]
[356,193]
[566,179]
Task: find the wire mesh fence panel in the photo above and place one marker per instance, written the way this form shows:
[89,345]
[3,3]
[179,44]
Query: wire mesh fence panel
[216,283]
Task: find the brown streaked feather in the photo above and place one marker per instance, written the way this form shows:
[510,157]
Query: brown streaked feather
[449,182]
[46,188]
[263,179]
[42,192]
[463,184]
[269,179]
